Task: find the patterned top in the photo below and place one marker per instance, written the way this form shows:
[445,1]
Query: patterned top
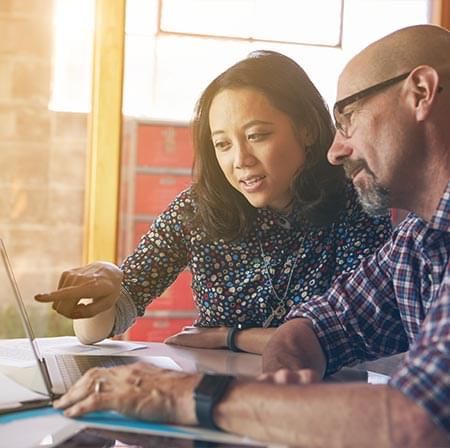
[397,299]
[229,279]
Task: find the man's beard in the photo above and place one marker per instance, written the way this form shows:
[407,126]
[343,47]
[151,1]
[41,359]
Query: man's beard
[374,198]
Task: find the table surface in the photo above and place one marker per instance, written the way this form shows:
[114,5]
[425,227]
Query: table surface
[193,360]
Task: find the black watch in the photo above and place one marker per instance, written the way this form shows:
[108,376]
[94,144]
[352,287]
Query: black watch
[207,393]
[231,344]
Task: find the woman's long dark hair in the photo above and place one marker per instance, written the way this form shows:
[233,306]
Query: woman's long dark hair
[319,187]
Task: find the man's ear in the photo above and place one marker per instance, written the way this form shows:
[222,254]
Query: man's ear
[424,83]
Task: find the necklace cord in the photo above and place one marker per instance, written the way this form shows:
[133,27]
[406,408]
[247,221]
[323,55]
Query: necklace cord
[280,300]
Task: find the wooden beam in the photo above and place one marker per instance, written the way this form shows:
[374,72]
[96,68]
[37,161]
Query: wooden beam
[445,14]
[105,126]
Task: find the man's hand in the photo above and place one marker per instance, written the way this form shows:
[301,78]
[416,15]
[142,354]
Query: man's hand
[294,346]
[138,390]
[286,376]
[100,282]
[197,337]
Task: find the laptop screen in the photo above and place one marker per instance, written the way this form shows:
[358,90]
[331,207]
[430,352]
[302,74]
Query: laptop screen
[12,304]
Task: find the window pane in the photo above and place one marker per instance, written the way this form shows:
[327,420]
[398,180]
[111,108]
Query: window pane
[73,26]
[315,22]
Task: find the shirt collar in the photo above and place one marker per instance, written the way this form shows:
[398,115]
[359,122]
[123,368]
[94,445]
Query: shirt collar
[441,218]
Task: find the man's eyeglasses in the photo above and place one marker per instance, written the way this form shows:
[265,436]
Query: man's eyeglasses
[342,120]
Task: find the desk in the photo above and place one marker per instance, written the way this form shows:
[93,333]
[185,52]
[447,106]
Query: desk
[38,428]
[190,360]
[204,360]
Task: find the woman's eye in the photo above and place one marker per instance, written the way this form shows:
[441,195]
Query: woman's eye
[257,136]
[220,145]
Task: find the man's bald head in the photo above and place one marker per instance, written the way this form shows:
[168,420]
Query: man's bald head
[394,54]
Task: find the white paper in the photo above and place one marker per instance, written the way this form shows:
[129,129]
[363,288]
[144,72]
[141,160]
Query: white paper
[162,361]
[106,347]
[18,353]
[12,392]
[45,431]
[377,378]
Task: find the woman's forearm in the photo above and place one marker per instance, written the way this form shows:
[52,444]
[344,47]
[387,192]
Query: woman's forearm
[95,329]
[253,340]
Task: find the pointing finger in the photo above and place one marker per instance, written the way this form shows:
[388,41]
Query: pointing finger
[70,292]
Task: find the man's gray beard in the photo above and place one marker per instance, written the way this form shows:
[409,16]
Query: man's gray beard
[374,200]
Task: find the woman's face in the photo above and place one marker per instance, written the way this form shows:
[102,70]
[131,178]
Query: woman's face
[256,147]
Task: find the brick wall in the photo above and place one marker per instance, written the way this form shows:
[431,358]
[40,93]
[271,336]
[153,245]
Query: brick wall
[42,153]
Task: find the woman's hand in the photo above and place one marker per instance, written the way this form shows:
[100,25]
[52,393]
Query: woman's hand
[100,282]
[198,337]
[138,390]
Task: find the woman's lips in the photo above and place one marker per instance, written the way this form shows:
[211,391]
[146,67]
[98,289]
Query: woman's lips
[252,184]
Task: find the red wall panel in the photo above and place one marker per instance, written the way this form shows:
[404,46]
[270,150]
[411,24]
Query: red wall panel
[165,146]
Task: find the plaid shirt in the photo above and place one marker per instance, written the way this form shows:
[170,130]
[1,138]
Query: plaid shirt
[397,299]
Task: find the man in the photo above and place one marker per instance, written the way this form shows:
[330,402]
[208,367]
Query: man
[392,114]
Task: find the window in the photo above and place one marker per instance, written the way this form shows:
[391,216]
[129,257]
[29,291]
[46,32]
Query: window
[264,20]
[172,53]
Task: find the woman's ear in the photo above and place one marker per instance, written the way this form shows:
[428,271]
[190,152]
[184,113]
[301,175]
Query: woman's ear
[424,81]
[306,136]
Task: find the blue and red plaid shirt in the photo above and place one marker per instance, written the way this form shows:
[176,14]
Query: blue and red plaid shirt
[396,300]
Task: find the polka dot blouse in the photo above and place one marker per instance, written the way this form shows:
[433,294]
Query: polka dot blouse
[284,261]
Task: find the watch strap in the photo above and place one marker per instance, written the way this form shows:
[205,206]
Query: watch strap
[231,336]
[208,392]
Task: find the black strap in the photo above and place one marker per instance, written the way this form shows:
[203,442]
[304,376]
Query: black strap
[231,343]
[207,393]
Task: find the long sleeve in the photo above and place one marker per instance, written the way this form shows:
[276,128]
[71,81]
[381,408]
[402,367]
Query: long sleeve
[358,317]
[425,373]
[160,256]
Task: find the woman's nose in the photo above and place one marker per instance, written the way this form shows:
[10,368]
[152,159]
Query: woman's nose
[243,156]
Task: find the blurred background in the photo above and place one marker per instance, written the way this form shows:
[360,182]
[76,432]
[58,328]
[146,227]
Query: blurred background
[95,103]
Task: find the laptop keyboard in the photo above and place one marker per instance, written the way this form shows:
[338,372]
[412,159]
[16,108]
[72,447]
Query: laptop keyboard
[72,367]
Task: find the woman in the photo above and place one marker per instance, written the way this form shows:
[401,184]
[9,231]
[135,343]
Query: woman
[267,223]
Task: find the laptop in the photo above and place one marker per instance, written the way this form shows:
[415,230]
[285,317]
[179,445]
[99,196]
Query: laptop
[53,374]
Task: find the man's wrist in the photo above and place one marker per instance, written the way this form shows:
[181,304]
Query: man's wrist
[183,403]
[207,394]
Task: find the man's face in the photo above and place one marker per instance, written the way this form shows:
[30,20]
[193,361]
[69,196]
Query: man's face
[370,141]
[373,196]
[364,155]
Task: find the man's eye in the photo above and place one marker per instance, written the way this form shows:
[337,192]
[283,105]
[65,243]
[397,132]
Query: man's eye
[348,116]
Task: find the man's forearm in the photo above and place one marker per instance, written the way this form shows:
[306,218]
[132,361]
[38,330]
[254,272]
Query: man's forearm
[326,415]
[295,346]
